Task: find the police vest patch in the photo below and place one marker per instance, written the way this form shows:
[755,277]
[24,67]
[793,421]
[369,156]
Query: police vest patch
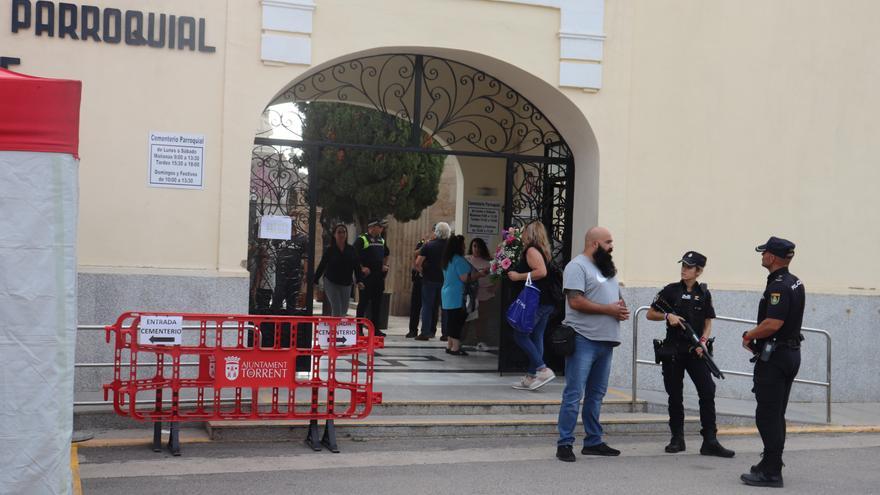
[774,298]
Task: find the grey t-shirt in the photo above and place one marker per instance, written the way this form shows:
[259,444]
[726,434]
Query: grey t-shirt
[582,275]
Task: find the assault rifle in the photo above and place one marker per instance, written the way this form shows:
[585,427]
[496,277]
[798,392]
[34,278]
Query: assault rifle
[694,338]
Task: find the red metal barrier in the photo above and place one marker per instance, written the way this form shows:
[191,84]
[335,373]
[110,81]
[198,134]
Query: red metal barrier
[242,367]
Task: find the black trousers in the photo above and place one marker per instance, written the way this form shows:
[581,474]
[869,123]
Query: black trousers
[455,319]
[673,380]
[772,387]
[370,297]
[415,305]
[286,290]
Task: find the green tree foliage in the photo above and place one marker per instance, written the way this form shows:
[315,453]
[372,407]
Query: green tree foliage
[356,185]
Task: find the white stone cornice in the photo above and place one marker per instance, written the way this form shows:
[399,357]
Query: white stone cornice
[582,36]
[287,29]
[290,4]
[581,40]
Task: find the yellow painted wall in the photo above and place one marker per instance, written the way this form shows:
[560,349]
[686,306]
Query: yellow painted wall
[749,119]
[718,124]
[128,92]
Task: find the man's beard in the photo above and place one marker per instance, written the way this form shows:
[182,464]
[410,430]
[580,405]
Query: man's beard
[604,263]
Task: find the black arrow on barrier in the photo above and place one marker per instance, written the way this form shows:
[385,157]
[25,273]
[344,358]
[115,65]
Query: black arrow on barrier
[154,339]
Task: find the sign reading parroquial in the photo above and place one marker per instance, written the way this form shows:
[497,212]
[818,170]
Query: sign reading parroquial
[160,330]
[346,334]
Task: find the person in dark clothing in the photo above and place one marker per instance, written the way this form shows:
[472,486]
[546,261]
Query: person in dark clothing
[429,264]
[288,274]
[339,267]
[777,342]
[691,302]
[415,297]
[372,255]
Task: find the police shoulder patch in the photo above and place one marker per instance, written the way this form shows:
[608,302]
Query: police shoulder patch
[774,298]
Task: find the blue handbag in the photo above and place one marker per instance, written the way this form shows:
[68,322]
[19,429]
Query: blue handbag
[521,313]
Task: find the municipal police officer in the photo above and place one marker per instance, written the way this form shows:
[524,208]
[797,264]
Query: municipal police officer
[373,256]
[776,342]
[692,302]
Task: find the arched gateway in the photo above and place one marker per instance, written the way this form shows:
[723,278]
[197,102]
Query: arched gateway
[451,109]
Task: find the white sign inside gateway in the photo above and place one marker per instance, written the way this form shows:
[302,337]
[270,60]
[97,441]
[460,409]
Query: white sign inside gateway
[160,330]
[346,334]
[177,160]
[275,227]
[483,217]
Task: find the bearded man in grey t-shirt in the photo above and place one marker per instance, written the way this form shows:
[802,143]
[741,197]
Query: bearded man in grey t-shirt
[594,307]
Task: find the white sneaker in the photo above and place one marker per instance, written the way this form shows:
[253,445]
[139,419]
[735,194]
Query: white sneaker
[526,383]
[482,347]
[544,377]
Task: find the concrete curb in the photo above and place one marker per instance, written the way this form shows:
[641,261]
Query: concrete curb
[803,429]
[189,439]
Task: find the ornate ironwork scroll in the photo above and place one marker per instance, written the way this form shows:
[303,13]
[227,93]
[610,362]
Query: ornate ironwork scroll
[383,82]
[279,186]
[455,104]
[542,191]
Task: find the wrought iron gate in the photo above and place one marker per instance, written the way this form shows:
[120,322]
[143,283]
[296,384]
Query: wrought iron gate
[280,269]
[465,110]
[538,190]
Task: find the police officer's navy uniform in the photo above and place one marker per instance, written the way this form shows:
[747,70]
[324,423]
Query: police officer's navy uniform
[783,299]
[372,252]
[695,306]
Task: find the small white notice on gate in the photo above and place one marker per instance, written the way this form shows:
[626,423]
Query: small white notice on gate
[346,334]
[483,217]
[275,227]
[160,330]
[177,160]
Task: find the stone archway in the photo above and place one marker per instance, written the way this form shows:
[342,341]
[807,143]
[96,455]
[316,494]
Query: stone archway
[453,109]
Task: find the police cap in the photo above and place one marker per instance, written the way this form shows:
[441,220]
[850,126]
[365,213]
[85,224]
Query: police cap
[693,258]
[778,247]
[374,223]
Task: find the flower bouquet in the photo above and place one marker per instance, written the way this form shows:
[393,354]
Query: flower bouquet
[507,254]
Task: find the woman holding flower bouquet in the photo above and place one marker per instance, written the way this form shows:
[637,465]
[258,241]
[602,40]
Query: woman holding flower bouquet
[534,261]
[456,271]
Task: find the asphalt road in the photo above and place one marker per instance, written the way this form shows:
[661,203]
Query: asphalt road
[820,464]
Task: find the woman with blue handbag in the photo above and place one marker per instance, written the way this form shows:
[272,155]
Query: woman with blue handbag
[532,270]
[456,271]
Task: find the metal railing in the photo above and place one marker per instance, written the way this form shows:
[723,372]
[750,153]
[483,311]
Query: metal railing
[827,383]
[84,403]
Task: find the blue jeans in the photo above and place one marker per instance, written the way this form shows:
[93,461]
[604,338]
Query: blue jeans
[533,343]
[430,299]
[586,370]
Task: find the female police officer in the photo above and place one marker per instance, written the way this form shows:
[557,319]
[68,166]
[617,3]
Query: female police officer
[687,300]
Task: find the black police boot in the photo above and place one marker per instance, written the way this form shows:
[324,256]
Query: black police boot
[761,478]
[761,466]
[712,447]
[676,444]
[766,473]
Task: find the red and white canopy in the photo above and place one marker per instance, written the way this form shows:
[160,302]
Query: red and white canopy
[39,114]
[39,139]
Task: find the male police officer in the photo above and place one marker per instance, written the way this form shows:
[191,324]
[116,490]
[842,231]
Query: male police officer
[777,342]
[373,256]
[692,302]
